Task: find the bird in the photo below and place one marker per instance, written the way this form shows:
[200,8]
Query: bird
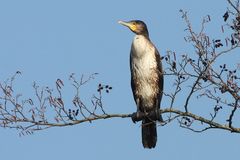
[146,79]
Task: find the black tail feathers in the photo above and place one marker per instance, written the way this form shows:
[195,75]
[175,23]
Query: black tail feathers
[149,133]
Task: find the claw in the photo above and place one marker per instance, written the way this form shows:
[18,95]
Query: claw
[137,116]
[133,117]
[153,115]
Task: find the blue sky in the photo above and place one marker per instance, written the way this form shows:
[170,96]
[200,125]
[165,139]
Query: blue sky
[47,40]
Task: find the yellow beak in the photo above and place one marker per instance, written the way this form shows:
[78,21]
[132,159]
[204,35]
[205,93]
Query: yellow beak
[129,25]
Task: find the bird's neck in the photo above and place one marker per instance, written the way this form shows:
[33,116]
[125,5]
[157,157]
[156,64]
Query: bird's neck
[141,37]
[139,45]
[145,34]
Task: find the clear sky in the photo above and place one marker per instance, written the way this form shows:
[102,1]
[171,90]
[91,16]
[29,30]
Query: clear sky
[51,39]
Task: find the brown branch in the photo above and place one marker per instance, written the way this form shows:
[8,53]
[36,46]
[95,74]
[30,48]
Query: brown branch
[232,113]
[230,2]
[209,122]
[191,92]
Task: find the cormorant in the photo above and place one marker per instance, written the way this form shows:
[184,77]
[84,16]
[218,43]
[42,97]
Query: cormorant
[146,79]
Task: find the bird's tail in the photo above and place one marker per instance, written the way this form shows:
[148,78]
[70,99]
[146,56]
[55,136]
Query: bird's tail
[149,133]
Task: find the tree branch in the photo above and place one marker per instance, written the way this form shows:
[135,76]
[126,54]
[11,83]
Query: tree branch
[209,122]
[230,2]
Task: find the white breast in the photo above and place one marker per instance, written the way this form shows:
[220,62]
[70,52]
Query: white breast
[143,55]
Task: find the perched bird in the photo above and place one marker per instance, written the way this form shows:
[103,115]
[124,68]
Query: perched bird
[146,78]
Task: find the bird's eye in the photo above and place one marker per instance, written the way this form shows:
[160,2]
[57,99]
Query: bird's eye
[134,23]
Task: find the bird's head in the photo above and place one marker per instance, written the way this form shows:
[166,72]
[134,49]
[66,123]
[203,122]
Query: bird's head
[137,26]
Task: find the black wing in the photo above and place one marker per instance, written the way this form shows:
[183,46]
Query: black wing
[133,86]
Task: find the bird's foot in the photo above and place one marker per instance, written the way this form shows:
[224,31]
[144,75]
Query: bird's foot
[154,115]
[137,116]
